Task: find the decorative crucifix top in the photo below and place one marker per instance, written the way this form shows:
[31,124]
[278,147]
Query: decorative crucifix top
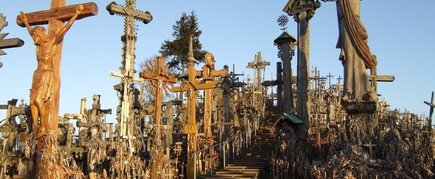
[208,75]
[126,89]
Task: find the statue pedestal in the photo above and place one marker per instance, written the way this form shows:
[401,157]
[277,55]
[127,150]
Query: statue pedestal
[358,107]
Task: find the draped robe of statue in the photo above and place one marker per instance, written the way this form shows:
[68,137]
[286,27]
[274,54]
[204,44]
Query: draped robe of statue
[355,52]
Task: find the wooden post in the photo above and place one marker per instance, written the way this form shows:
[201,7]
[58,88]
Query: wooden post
[286,43]
[303,11]
[190,128]
[279,87]
[159,77]
[47,135]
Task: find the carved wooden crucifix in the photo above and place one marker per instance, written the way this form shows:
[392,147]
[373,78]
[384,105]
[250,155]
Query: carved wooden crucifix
[190,128]
[45,92]
[158,77]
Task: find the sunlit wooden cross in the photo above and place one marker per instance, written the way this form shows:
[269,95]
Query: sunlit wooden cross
[159,78]
[209,73]
[55,18]
[190,128]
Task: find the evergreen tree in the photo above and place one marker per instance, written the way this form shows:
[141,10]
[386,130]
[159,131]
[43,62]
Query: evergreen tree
[177,50]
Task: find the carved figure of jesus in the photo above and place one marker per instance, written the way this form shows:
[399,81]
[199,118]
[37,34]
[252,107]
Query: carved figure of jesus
[43,77]
[355,52]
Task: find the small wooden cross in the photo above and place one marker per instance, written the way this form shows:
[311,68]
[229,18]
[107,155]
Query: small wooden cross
[374,78]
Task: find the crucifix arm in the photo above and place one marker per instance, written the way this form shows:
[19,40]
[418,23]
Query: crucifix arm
[68,24]
[26,22]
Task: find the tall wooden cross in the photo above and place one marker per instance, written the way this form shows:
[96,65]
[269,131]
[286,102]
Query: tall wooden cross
[190,128]
[55,18]
[158,77]
[130,14]
[208,74]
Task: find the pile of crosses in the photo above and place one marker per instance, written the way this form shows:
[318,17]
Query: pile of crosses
[388,143]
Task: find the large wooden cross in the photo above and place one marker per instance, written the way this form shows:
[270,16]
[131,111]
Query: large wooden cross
[158,77]
[55,18]
[208,74]
[190,128]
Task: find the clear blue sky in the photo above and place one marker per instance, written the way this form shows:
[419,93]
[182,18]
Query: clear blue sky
[401,35]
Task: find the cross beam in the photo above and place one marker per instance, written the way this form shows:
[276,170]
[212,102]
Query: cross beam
[114,8]
[62,13]
[374,78]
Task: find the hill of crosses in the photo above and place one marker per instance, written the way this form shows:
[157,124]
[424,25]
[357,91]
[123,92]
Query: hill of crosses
[204,121]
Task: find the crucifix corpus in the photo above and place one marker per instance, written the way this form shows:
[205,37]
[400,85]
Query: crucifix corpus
[208,74]
[45,91]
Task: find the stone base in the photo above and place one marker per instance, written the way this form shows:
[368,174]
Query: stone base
[358,107]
